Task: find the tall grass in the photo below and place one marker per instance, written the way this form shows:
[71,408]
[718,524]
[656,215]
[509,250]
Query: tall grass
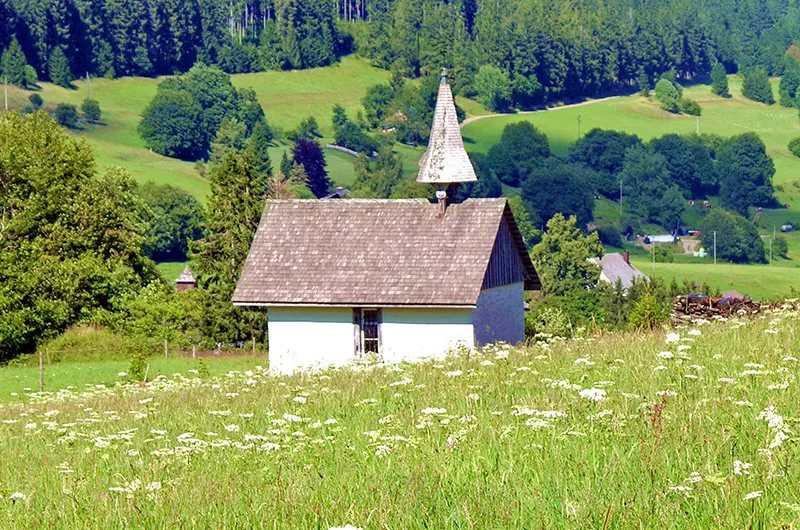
[689,430]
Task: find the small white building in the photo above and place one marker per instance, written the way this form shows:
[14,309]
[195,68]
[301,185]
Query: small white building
[616,267]
[397,280]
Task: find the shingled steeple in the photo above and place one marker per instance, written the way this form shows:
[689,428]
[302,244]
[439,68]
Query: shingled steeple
[445,162]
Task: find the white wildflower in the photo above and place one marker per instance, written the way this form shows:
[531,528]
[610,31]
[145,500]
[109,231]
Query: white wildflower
[299,399]
[752,495]
[666,355]
[153,486]
[454,373]
[17,496]
[694,332]
[594,394]
[741,468]
[583,361]
[232,428]
[433,411]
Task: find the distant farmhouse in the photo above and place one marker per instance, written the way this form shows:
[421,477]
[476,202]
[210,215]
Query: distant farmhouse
[618,267]
[394,280]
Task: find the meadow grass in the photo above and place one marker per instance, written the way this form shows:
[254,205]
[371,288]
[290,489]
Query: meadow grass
[775,125]
[761,282]
[287,98]
[689,430]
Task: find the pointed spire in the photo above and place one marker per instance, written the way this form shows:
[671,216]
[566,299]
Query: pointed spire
[445,161]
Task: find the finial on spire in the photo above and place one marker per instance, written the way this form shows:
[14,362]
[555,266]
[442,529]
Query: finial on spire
[443,80]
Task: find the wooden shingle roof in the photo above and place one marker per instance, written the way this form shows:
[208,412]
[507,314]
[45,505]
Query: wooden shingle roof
[353,252]
[445,161]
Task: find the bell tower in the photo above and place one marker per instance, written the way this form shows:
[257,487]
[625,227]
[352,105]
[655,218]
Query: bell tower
[445,164]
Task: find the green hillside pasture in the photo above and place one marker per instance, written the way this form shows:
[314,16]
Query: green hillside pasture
[16,381]
[761,282]
[287,98]
[626,430]
[776,125]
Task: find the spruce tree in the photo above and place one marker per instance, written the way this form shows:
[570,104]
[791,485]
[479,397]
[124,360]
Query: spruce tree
[258,149]
[789,85]
[286,165]
[233,212]
[60,73]
[308,154]
[14,65]
[667,95]
[756,86]
[719,81]
[644,83]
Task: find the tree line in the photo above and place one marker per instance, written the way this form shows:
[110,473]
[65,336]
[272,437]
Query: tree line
[539,51]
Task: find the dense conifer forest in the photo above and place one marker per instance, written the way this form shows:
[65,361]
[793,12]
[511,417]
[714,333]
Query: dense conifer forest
[543,50]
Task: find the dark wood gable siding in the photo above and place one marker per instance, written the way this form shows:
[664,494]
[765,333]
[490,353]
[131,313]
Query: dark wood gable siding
[505,264]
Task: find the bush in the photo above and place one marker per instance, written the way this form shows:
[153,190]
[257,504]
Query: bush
[780,247]
[548,322]
[794,147]
[667,96]
[67,115]
[609,235]
[738,240]
[690,107]
[756,86]
[664,254]
[647,313]
[36,101]
[91,110]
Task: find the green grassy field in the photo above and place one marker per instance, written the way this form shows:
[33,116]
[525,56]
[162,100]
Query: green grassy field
[287,98]
[16,381]
[617,431]
[761,282]
[776,125]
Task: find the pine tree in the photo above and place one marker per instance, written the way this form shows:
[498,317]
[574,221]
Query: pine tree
[719,81]
[790,82]
[60,72]
[309,154]
[286,164]
[644,83]
[258,149]
[234,209]
[14,65]
[756,86]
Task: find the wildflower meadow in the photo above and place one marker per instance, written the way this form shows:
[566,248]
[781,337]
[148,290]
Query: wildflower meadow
[688,428]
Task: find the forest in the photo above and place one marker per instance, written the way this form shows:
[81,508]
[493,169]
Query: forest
[543,50]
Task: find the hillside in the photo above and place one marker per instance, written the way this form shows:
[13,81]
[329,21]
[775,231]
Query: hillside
[287,98]
[620,431]
[776,125]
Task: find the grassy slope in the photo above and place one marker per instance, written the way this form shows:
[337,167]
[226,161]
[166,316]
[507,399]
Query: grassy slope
[287,98]
[776,125]
[515,444]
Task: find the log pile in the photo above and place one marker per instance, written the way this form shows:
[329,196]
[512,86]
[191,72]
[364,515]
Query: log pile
[686,309]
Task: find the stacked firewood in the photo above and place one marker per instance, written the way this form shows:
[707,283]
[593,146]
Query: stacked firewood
[686,309]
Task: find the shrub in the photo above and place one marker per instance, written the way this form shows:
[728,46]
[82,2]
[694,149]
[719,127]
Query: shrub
[756,86]
[548,322]
[609,235]
[647,313]
[690,107]
[794,146]
[67,115]
[36,101]
[780,247]
[719,81]
[667,96]
[663,254]
[91,110]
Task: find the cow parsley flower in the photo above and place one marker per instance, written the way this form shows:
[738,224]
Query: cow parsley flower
[672,337]
[666,355]
[752,495]
[594,394]
[741,468]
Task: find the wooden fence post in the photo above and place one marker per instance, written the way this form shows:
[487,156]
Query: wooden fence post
[254,344]
[47,352]
[146,371]
[166,349]
[41,372]
[194,352]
